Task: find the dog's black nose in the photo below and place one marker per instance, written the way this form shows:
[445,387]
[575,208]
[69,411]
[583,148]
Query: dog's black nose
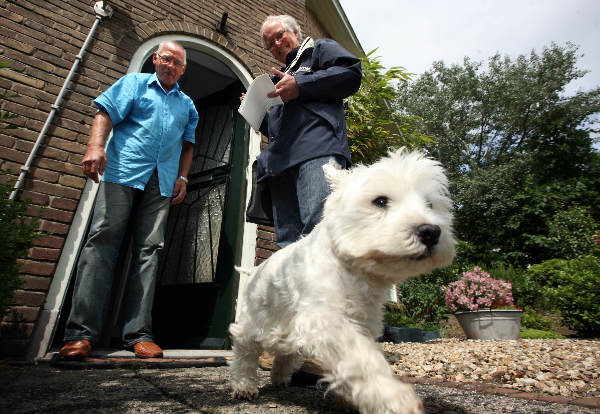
[429,234]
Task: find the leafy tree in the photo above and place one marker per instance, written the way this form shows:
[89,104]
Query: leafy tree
[517,148]
[482,118]
[373,126]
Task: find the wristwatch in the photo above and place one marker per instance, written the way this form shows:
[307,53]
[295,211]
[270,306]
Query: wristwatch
[185,180]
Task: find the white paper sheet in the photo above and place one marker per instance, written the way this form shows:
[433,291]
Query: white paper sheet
[256,103]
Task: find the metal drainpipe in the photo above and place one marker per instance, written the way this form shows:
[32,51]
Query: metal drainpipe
[102,10]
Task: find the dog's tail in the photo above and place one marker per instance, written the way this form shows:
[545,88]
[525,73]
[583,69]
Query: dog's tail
[244,270]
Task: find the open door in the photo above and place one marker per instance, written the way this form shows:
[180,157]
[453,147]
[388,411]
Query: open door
[195,285]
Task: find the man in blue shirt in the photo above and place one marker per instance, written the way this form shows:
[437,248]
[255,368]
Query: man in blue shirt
[144,169]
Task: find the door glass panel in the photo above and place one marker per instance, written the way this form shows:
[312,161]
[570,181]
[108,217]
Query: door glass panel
[194,226]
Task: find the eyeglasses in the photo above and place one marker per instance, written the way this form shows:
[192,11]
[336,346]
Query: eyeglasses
[278,36]
[168,59]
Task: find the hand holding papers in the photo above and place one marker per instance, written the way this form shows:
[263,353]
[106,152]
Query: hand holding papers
[256,103]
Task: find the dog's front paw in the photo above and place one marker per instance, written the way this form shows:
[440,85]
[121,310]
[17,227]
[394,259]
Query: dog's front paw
[245,394]
[415,407]
[405,401]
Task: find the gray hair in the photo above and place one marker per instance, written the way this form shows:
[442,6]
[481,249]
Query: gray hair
[173,44]
[288,22]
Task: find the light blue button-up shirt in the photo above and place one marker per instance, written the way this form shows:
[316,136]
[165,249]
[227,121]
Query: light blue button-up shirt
[149,126]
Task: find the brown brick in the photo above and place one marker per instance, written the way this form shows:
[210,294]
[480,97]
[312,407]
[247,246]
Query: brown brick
[72,181]
[43,174]
[18,77]
[265,235]
[54,228]
[54,165]
[37,268]
[76,159]
[263,253]
[33,210]
[53,189]
[13,331]
[55,242]
[22,314]
[23,133]
[27,298]
[36,198]
[14,155]
[6,141]
[62,216]
[266,244]
[67,145]
[10,166]
[63,203]
[43,253]
[56,154]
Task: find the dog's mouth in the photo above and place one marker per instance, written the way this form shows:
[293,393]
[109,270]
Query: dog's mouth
[383,258]
[421,256]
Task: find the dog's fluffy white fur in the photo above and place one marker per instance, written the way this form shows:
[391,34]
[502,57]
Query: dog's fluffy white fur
[322,297]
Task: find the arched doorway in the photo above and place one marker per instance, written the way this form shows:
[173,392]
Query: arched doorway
[196,285]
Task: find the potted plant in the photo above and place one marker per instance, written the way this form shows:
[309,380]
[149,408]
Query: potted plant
[483,306]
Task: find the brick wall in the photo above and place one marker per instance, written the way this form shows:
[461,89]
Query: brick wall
[40,39]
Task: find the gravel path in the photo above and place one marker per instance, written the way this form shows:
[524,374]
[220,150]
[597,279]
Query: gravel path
[560,367]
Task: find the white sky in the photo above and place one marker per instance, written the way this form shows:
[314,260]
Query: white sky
[415,33]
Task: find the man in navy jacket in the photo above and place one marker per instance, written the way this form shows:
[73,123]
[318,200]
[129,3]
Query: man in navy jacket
[309,129]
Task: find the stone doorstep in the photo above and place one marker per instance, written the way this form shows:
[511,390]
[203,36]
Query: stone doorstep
[172,358]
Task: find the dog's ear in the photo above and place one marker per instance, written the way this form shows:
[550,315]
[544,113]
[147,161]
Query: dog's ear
[334,174]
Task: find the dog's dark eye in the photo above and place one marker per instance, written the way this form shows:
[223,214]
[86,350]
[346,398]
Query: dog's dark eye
[428,204]
[381,201]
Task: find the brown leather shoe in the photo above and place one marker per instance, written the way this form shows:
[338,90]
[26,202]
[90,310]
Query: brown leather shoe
[76,350]
[147,349]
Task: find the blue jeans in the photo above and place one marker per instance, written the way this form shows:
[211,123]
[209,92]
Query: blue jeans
[298,196]
[114,208]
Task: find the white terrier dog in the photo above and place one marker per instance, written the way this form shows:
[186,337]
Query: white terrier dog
[322,297]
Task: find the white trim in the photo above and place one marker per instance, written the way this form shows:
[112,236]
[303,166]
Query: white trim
[45,327]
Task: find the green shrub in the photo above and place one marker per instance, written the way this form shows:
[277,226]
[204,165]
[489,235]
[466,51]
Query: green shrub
[525,289]
[574,289]
[401,319]
[529,333]
[535,320]
[423,299]
[18,232]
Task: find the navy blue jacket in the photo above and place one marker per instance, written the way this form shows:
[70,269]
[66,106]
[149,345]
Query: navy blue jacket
[312,125]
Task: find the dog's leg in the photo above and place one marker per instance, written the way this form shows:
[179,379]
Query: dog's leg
[244,364]
[357,369]
[283,368]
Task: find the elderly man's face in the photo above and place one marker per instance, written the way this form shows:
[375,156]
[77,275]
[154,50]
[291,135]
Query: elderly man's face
[279,41]
[169,64]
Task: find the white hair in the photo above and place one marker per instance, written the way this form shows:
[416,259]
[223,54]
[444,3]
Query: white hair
[288,22]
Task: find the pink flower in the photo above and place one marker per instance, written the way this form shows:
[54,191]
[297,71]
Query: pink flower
[477,290]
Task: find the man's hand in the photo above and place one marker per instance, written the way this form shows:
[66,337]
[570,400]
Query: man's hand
[94,162]
[179,191]
[286,88]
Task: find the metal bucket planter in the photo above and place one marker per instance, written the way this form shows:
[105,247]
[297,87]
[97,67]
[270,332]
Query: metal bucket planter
[491,323]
